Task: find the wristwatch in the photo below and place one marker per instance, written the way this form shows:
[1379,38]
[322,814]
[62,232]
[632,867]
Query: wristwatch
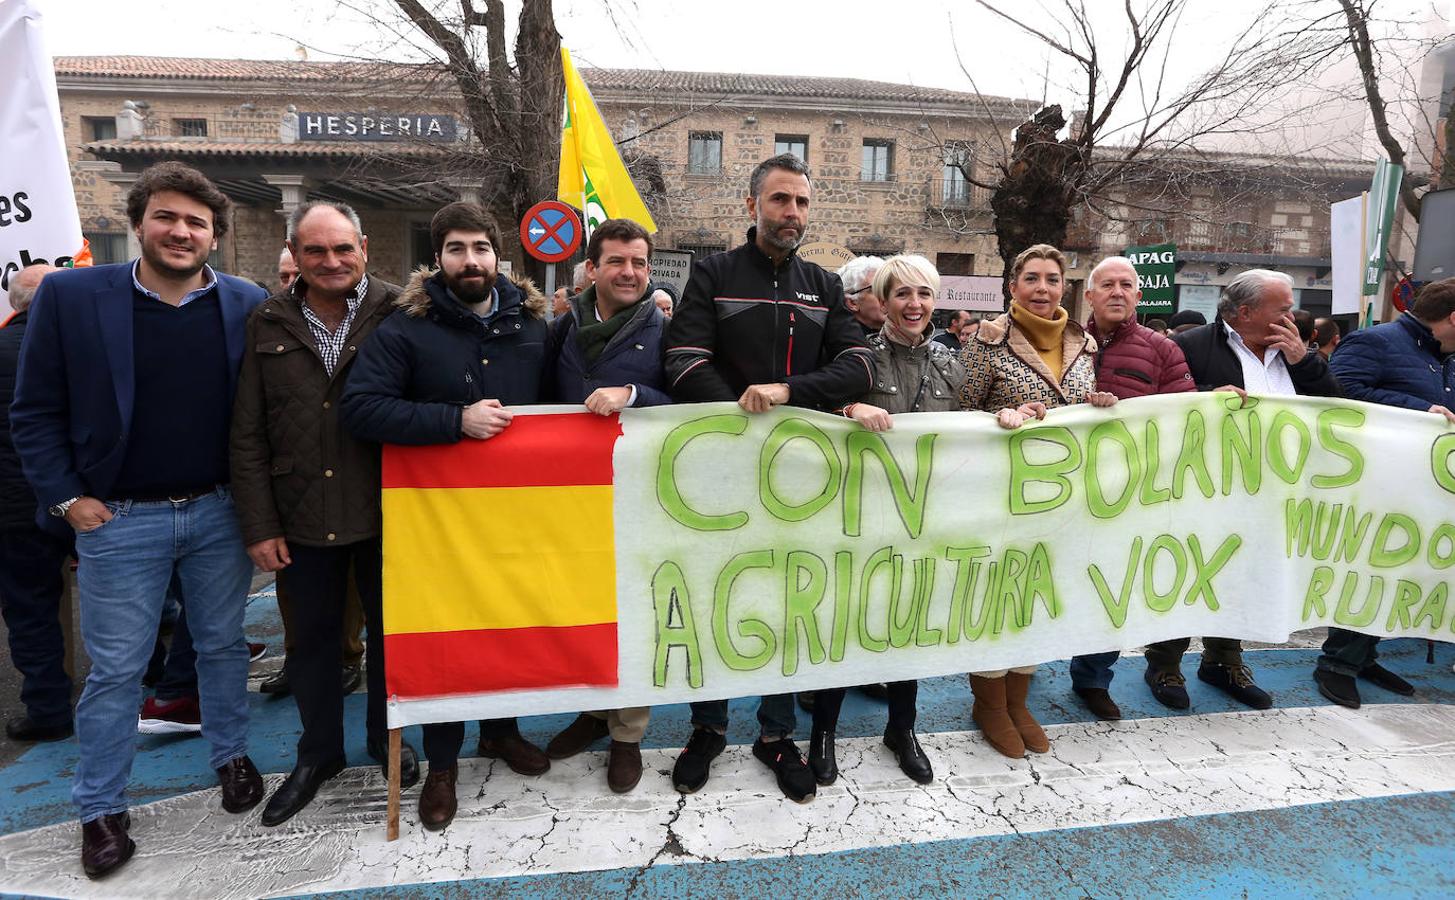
[60,509]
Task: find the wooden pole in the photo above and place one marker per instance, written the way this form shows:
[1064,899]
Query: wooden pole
[392,829]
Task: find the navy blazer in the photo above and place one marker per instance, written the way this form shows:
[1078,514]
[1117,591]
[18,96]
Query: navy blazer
[77,380]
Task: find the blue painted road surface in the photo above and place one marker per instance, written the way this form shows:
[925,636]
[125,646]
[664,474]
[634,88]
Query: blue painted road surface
[1305,800]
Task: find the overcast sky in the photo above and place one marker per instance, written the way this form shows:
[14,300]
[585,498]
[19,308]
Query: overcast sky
[923,42]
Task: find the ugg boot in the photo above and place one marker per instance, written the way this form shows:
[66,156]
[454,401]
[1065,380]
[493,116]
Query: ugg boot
[989,713]
[1017,685]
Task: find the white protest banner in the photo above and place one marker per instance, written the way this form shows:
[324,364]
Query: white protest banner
[696,552]
[38,219]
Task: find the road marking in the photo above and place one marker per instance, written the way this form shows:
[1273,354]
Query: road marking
[1098,774]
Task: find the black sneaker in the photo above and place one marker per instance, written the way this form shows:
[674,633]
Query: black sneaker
[695,761]
[1236,682]
[795,778]
[1168,688]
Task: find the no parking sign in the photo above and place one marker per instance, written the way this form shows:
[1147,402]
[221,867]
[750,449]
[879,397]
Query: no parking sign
[550,231]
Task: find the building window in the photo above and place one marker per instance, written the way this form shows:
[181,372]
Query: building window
[955,263]
[107,248]
[954,187]
[704,153]
[701,251]
[797,144]
[98,128]
[878,161]
[190,127]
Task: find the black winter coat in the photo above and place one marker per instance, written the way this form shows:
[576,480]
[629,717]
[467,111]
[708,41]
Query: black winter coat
[1213,363]
[17,499]
[432,357]
[744,321]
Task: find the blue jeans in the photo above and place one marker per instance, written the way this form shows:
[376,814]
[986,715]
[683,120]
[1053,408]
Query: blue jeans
[1093,670]
[125,567]
[776,716]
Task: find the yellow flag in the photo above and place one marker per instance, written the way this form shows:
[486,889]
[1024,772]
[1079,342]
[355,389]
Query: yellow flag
[592,175]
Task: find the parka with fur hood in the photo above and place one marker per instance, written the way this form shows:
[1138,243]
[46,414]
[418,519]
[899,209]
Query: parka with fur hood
[433,356]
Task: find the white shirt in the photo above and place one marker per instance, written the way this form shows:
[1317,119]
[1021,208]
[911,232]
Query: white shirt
[1268,375]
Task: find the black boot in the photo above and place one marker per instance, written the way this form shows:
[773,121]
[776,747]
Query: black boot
[821,757]
[912,759]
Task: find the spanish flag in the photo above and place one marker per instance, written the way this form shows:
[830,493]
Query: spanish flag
[499,560]
[592,175]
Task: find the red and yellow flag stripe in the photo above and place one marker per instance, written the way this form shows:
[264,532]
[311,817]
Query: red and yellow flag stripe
[499,560]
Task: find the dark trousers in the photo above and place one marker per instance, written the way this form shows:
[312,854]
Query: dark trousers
[442,741]
[776,717]
[31,582]
[902,695]
[1348,652]
[1093,670]
[1166,656]
[317,581]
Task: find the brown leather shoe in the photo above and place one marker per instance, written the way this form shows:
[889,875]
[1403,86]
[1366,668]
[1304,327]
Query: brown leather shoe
[623,766]
[437,802]
[105,845]
[523,757]
[577,736]
[242,786]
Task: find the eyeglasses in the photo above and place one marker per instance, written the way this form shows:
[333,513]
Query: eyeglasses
[857,291]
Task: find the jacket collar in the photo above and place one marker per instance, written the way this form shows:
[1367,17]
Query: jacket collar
[1423,336]
[1119,333]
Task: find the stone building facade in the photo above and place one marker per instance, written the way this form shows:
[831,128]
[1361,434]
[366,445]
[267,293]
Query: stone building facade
[884,158]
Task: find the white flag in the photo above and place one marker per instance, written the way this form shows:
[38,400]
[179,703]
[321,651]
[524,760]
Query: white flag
[38,218]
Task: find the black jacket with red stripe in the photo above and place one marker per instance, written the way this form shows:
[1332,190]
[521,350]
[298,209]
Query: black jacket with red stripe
[742,322]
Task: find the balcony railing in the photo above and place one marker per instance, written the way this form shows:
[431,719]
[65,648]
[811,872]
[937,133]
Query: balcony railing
[955,193]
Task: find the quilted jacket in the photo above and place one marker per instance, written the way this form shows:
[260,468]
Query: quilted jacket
[296,472]
[1398,363]
[1005,370]
[1136,361]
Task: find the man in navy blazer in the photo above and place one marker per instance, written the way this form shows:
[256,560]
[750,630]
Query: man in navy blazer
[121,417]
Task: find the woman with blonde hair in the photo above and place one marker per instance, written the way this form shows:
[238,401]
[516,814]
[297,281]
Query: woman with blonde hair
[1026,361]
[912,374]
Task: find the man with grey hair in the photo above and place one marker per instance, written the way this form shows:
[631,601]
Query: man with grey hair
[30,559]
[858,277]
[1252,347]
[287,269]
[307,490]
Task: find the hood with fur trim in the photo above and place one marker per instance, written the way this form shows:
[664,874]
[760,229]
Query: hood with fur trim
[416,299]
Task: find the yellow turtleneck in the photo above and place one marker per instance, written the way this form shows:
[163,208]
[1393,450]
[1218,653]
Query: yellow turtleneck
[1044,334]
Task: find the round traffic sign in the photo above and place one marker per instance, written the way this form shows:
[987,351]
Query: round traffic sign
[1403,294]
[550,231]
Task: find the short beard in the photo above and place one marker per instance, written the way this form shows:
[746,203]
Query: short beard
[773,240]
[468,293]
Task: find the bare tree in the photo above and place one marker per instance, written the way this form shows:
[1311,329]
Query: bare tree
[1128,116]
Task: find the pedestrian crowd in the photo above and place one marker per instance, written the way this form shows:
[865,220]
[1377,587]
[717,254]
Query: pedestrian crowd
[176,429]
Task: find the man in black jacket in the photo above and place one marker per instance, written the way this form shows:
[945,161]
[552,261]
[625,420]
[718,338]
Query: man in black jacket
[30,560]
[1252,347]
[464,344]
[760,326]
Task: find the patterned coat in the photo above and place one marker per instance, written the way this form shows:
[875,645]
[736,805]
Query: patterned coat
[1006,371]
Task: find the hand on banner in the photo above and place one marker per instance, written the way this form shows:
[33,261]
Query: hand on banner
[1442,411]
[88,514]
[1101,399]
[1285,338]
[484,419]
[1242,394]
[1012,418]
[871,417]
[270,555]
[608,400]
[1032,410]
[763,397]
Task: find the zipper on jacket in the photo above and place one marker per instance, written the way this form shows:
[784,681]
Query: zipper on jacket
[775,315]
[788,358]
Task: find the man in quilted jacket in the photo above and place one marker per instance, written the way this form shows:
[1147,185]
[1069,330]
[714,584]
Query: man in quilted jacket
[308,491]
[1133,361]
